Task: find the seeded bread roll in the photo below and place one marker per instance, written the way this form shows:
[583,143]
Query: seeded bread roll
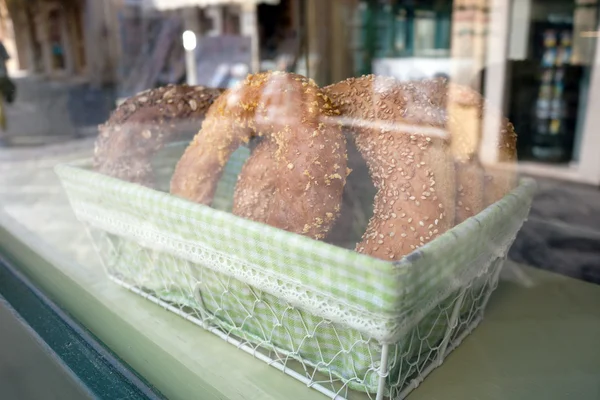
[391,122]
[464,125]
[421,143]
[501,177]
[143,124]
[399,130]
[307,155]
[479,183]
[256,184]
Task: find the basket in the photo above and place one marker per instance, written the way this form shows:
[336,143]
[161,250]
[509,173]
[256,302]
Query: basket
[347,324]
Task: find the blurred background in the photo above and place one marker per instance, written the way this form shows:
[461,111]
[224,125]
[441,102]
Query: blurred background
[73,61]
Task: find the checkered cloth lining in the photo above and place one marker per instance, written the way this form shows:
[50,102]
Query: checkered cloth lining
[389,299]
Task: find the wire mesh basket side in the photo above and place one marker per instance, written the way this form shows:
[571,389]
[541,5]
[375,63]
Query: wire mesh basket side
[148,269]
[378,298]
[333,355]
[428,344]
[182,256]
[318,347]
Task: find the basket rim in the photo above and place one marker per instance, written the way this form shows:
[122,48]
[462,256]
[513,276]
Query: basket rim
[526,188]
[388,314]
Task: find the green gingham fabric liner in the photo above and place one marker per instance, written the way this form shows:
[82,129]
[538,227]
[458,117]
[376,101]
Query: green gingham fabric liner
[274,325]
[378,300]
[360,283]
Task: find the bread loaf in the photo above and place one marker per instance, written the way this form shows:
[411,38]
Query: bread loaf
[143,124]
[479,182]
[399,130]
[421,141]
[305,155]
[464,126]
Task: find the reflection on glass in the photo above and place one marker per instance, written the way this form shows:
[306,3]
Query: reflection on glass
[331,186]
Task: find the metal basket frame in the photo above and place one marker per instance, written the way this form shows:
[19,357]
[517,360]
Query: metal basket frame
[399,361]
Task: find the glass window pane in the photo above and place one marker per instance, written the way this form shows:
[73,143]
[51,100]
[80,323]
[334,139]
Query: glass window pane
[339,188]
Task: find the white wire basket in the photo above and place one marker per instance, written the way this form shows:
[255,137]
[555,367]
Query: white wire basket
[346,324]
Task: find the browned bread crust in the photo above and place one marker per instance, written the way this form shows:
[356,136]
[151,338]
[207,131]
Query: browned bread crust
[483,183]
[399,131]
[426,183]
[143,124]
[307,156]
